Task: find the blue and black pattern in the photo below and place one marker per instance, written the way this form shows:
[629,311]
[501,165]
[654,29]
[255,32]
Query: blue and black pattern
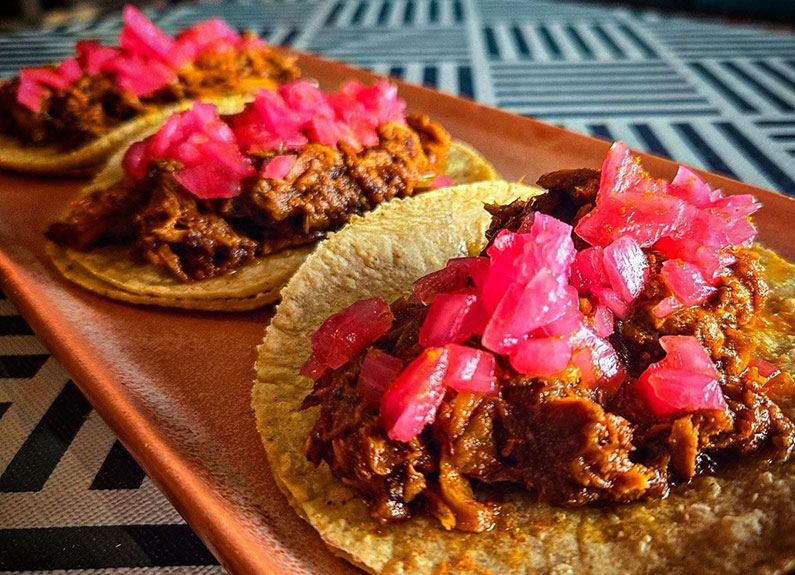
[701,92]
[698,91]
[71,496]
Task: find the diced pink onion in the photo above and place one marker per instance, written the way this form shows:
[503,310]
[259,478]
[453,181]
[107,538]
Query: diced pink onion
[207,181]
[684,381]
[306,100]
[453,277]
[33,81]
[30,93]
[523,309]
[525,288]
[93,57]
[140,36]
[603,321]
[212,165]
[142,76]
[552,249]
[211,35]
[410,402]
[687,283]
[611,300]
[626,267]
[278,167]
[505,254]
[541,356]
[344,334]
[588,270]
[45,76]
[300,113]
[667,306]
[691,188]
[646,215]
[449,320]
[69,70]
[596,359]
[442,182]
[470,370]
[379,369]
[312,368]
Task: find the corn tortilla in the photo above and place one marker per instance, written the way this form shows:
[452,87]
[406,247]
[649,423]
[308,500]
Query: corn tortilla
[50,160]
[741,521]
[78,275]
[113,267]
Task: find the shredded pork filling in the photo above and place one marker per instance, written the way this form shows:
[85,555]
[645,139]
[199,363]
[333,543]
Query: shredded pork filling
[93,106]
[197,239]
[569,442]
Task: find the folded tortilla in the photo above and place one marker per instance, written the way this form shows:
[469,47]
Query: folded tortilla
[741,521]
[112,272]
[51,160]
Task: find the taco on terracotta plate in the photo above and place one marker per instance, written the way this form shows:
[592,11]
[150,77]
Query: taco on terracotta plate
[216,211]
[592,378]
[70,118]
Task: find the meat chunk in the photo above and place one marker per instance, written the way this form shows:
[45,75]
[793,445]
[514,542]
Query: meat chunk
[572,451]
[98,215]
[579,186]
[225,71]
[68,118]
[317,194]
[757,420]
[173,233]
[434,139]
[349,436]
[326,187]
[465,432]
[570,194]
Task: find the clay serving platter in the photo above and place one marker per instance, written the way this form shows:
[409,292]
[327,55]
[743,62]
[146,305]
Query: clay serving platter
[174,385]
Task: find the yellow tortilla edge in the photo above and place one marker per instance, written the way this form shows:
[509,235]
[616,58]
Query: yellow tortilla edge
[77,275]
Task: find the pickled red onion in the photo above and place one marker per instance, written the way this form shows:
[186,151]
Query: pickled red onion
[470,370]
[684,381]
[344,334]
[453,277]
[409,403]
[378,370]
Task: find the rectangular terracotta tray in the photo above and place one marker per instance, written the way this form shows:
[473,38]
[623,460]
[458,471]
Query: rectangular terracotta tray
[174,386]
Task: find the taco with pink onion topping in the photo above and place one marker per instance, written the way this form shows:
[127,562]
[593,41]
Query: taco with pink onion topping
[221,208]
[588,378]
[71,117]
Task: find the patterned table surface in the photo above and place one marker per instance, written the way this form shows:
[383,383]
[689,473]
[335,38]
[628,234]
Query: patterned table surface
[702,92]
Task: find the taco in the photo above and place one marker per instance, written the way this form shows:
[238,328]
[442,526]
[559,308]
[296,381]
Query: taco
[592,383]
[216,208]
[69,118]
